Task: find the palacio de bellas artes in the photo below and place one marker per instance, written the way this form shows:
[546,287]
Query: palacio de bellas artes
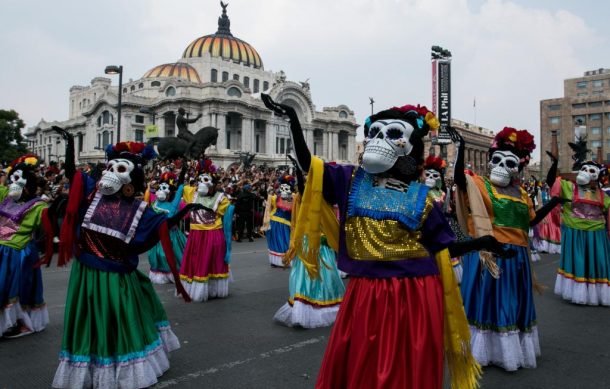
[220,77]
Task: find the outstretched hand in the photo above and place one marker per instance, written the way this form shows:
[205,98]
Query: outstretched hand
[455,135]
[294,161]
[553,158]
[490,243]
[64,134]
[196,207]
[277,108]
[562,200]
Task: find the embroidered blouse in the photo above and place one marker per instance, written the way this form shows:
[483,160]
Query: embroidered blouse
[587,209]
[18,221]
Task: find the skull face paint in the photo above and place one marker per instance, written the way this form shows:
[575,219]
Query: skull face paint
[116,175]
[205,185]
[17,183]
[504,167]
[432,178]
[387,140]
[587,174]
[163,192]
[285,191]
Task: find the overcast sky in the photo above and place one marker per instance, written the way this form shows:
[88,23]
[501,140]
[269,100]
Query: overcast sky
[507,54]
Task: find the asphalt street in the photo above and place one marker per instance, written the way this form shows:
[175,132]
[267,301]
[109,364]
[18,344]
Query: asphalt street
[233,343]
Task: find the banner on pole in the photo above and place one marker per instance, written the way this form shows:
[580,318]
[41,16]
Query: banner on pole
[443,101]
[151,131]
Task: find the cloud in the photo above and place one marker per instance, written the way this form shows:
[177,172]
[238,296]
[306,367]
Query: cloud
[509,56]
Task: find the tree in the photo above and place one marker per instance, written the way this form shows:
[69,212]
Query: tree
[12,144]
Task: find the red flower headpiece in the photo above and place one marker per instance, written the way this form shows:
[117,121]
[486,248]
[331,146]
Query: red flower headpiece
[519,140]
[168,177]
[436,163]
[30,160]
[134,149]
[206,166]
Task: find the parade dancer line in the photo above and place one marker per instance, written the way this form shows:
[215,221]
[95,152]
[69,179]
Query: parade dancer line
[402,315]
[116,333]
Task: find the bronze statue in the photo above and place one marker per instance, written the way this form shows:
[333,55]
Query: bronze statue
[182,123]
[178,147]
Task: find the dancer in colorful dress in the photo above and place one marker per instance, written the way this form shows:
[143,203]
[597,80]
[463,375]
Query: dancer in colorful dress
[167,201]
[393,241]
[497,292]
[22,310]
[583,276]
[313,302]
[116,333]
[549,233]
[205,269]
[278,214]
[434,177]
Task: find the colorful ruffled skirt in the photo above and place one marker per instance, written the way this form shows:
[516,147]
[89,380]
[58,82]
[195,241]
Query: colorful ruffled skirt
[388,334]
[160,272]
[549,233]
[278,241]
[583,276]
[501,311]
[21,292]
[204,272]
[313,303]
[116,333]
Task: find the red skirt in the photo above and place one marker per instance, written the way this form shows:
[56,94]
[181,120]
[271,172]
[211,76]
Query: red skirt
[388,334]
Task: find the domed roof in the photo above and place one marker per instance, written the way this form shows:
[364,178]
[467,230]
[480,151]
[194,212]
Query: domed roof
[178,70]
[223,44]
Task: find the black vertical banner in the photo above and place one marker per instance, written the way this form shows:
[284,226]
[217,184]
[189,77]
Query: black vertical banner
[444,101]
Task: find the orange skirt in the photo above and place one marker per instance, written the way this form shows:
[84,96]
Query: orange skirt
[388,334]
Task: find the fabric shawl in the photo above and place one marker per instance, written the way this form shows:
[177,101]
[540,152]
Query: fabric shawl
[314,216]
[464,370]
[67,235]
[227,226]
[48,239]
[267,217]
[166,243]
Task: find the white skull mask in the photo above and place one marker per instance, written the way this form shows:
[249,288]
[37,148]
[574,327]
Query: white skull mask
[433,178]
[586,174]
[163,192]
[387,140]
[116,175]
[205,184]
[285,191]
[504,167]
[17,183]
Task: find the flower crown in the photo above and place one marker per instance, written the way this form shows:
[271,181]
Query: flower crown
[521,141]
[287,179]
[436,163]
[168,177]
[206,166]
[142,152]
[30,160]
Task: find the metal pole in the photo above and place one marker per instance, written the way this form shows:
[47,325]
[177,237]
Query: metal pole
[118,130]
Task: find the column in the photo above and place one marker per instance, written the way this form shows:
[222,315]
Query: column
[335,146]
[220,121]
[351,148]
[270,138]
[309,138]
[325,145]
[247,133]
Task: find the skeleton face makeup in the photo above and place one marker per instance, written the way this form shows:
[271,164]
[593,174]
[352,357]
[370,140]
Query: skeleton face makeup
[17,183]
[433,178]
[205,185]
[116,175]
[587,174]
[285,191]
[163,192]
[504,167]
[387,140]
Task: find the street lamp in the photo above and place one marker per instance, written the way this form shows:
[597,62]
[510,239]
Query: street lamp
[113,69]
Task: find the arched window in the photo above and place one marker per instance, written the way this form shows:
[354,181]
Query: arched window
[105,138]
[256,85]
[265,85]
[155,83]
[225,76]
[141,85]
[343,115]
[236,77]
[133,87]
[107,118]
[234,92]
[247,82]
[171,91]
[214,76]
[124,90]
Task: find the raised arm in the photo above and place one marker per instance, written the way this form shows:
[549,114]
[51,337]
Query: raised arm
[551,176]
[458,171]
[300,146]
[299,173]
[70,165]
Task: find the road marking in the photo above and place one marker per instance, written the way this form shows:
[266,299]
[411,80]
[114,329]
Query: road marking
[230,365]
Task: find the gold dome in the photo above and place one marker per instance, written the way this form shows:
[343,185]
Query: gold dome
[178,70]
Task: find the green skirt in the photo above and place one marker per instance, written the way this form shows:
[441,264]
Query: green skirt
[116,333]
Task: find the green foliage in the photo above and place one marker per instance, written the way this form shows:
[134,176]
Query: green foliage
[12,144]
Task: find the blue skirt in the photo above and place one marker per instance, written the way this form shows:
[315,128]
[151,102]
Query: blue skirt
[278,241]
[21,291]
[501,311]
[160,272]
[583,276]
[313,302]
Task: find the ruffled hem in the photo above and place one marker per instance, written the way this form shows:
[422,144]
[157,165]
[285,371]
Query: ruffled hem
[509,350]
[306,316]
[157,277]
[544,246]
[535,256]
[458,271]
[582,292]
[276,260]
[140,372]
[202,291]
[343,274]
[36,319]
